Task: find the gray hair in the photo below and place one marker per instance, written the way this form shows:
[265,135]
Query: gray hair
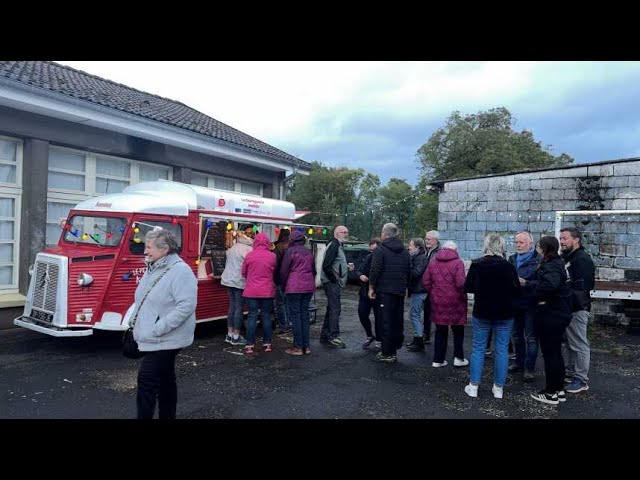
[418,242]
[494,244]
[434,233]
[162,239]
[526,234]
[450,244]
[390,229]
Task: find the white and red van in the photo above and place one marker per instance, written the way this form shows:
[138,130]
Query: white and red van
[88,280]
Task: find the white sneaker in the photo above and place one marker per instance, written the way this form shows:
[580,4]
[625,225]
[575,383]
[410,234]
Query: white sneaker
[438,365]
[460,362]
[497,391]
[471,390]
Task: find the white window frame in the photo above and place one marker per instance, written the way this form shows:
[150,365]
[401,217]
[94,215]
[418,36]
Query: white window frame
[14,190]
[73,197]
[237,184]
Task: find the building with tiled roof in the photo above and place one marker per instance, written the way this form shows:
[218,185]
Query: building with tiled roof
[67,135]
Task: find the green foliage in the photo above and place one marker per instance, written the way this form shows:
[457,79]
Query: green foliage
[481,144]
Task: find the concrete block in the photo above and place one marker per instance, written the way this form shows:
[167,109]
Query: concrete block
[633,251]
[575,172]
[481,226]
[626,262]
[610,274]
[600,170]
[486,216]
[478,185]
[612,250]
[456,186]
[630,168]
[541,184]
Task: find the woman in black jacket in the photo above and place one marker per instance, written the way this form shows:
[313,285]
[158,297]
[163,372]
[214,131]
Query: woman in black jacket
[552,298]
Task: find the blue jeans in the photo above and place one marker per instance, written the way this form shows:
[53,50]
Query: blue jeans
[265,305]
[281,309]
[525,340]
[234,316]
[415,312]
[298,313]
[502,332]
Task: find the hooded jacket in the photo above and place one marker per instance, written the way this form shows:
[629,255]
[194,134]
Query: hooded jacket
[232,273]
[444,280]
[390,267]
[298,269]
[258,269]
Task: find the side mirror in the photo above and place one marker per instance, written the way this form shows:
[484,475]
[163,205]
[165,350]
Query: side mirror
[63,223]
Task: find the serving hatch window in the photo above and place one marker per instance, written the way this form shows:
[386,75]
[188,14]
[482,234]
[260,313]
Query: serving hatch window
[105,231]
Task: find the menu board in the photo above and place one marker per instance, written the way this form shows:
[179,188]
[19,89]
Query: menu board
[218,262]
[214,238]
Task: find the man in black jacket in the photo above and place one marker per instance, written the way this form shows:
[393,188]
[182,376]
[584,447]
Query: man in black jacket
[581,271]
[432,246]
[388,281]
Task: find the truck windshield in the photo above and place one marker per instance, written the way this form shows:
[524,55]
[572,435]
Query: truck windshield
[95,230]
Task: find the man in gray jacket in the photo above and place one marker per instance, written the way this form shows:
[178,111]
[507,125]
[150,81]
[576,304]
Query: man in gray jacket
[334,277]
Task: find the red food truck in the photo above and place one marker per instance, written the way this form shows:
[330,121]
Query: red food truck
[88,280]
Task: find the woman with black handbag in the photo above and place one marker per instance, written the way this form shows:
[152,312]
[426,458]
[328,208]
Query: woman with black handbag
[165,322]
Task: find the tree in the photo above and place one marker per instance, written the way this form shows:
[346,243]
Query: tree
[333,192]
[481,144]
[398,205]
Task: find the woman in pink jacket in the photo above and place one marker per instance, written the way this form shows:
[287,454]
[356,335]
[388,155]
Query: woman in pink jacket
[258,268]
[444,281]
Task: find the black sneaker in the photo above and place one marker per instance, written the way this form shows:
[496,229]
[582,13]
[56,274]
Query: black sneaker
[562,396]
[336,342]
[386,358]
[544,397]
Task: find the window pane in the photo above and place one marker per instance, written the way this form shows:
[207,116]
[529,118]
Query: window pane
[8,150]
[6,252]
[224,184]
[251,188]
[66,181]
[68,161]
[107,185]
[57,211]
[6,275]
[6,230]
[7,174]
[198,179]
[148,173]
[7,207]
[117,168]
[138,248]
[53,234]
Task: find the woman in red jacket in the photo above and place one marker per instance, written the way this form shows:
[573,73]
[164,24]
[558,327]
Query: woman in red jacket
[444,280]
[258,268]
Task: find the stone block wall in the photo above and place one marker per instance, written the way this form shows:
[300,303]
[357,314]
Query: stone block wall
[470,209]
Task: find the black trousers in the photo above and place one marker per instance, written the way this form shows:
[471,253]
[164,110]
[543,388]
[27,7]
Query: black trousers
[550,336]
[391,311]
[365,305]
[426,312]
[157,380]
[441,339]
[331,324]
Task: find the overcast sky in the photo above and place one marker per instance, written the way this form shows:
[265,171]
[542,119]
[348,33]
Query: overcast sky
[376,115]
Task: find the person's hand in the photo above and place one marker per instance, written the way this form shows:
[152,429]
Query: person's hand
[372,294]
[523,282]
[351,266]
[364,278]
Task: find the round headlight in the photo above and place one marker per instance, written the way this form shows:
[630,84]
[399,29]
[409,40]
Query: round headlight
[84,279]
